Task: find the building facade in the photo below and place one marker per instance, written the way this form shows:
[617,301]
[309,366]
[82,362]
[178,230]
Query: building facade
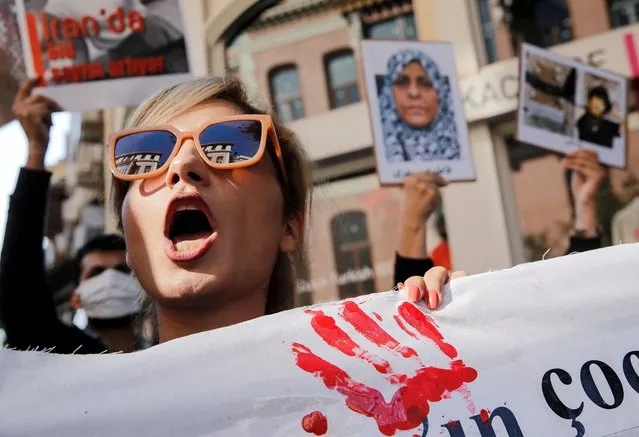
[134,163]
[301,57]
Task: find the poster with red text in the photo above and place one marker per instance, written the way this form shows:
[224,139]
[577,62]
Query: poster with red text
[12,70]
[103,53]
[543,349]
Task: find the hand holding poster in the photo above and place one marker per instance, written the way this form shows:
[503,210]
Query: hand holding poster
[543,349]
[115,51]
[564,104]
[416,110]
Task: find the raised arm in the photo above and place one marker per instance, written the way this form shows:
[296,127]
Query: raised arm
[26,302]
[585,182]
[421,196]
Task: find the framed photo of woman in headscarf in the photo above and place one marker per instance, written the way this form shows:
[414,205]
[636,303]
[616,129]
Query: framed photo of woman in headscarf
[565,105]
[416,110]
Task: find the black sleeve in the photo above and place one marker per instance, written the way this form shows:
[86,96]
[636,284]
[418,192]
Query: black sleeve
[407,267]
[26,302]
[579,244]
[581,124]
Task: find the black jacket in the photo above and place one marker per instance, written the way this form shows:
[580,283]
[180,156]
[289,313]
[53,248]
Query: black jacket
[407,267]
[26,302]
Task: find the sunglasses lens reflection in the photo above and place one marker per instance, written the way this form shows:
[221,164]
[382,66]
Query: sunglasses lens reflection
[231,141]
[143,152]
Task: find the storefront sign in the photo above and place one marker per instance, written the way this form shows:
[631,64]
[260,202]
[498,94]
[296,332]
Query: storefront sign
[494,90]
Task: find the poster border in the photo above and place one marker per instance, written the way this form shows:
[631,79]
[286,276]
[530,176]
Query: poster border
[585,68]
[126,86]
[362,70]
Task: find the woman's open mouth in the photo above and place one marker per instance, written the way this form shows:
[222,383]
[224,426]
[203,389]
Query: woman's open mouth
[190,229]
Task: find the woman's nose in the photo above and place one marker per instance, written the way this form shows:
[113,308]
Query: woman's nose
[413,89]
[187,167]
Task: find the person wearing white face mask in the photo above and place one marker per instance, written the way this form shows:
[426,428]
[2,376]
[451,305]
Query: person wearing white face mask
[106,291]
[112,294]
[107,294]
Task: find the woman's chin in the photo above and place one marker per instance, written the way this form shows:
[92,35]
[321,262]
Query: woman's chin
[418,123]
[186,289]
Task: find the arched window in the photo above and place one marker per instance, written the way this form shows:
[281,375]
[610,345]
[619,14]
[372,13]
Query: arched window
[341,75]
[286,96]
[352,252]
[543,23]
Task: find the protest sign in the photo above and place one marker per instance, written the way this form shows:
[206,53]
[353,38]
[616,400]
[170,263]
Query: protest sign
[543,349]
[565,104]
[103,53]
[12,70]
[416,110]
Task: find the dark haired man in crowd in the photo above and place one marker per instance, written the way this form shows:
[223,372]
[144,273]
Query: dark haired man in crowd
[106,290]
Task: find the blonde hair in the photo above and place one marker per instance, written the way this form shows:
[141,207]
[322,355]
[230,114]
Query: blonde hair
[297,193]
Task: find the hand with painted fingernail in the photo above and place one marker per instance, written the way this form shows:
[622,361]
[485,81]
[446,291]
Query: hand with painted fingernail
[430,287]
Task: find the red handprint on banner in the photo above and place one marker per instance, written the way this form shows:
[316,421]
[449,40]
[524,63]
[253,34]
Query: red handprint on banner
[410,404]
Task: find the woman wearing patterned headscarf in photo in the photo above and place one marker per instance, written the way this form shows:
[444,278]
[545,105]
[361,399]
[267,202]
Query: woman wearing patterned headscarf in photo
[418,120]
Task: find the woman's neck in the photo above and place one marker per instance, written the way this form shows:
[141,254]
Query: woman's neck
[176,322]
[118,339]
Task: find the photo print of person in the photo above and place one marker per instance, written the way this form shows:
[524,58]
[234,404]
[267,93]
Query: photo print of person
[418,120]
[565,105]
[601,122]
[82,48]
[416,110]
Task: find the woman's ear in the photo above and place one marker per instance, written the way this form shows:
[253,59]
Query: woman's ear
[292,237]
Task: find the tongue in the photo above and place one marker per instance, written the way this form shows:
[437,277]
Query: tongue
[191,241]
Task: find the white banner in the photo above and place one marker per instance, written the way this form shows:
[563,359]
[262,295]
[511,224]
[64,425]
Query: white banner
[543,349]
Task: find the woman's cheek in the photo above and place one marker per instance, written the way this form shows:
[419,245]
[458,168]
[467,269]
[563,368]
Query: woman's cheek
[130,217]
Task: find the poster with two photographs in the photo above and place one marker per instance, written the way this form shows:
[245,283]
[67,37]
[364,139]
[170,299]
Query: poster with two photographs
[565,105]
[416,110]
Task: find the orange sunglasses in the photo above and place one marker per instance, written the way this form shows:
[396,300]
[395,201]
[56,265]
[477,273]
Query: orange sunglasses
[223,143]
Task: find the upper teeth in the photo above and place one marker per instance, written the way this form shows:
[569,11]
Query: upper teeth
[187,208]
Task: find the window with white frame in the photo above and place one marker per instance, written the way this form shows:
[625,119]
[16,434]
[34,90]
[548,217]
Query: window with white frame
[341,75]
[286,95]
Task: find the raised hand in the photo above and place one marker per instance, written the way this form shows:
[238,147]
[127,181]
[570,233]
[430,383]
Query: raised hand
[421,191]
[421,197]
[34,114]
[585,182]
[415,391]
[587,174]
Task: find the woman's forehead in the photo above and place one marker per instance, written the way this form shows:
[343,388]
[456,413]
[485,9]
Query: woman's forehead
[415,65]
[198,114]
